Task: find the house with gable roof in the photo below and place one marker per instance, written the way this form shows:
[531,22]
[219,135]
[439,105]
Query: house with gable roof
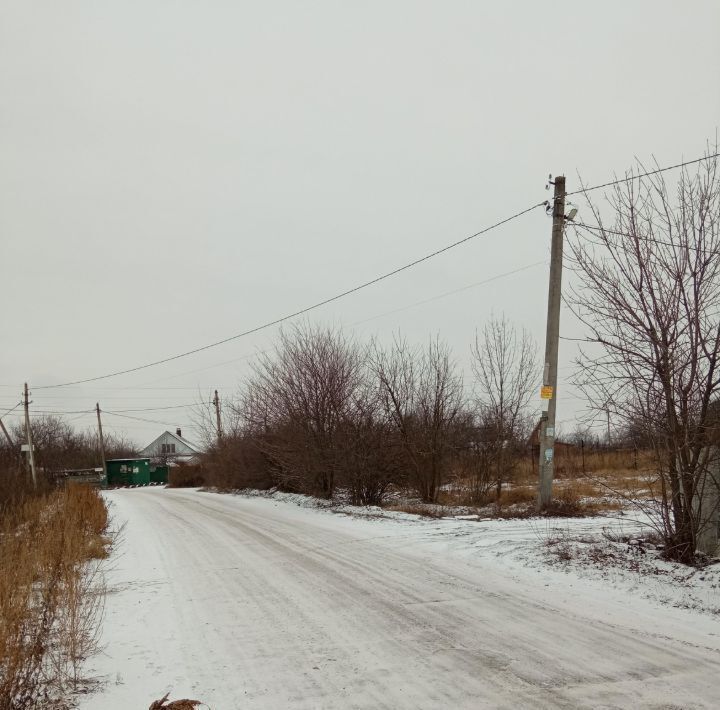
[172,448]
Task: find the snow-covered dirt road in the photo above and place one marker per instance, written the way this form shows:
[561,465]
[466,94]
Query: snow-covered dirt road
[254,603]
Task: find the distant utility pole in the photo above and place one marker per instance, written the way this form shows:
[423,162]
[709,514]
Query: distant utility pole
[102,439]
[552,340]
[607,412]
[28,434]
[7,436]
[216,402]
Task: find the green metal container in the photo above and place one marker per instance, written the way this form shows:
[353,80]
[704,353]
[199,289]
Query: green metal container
[128,472]
[158,474]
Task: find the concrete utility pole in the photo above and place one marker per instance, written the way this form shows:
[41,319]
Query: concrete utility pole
[607,411]
[216,402]
[28,434]
[102,439]
[552,340]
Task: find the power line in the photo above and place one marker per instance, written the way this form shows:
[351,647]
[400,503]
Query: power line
[365,320]
[12,409]
[157,409]
[302,311]
[714,252]
[131,388]
[90,411]
[139,419]
[371,282]
[50,400]
[450,293]
[44,412]
[642,175]
[211,367]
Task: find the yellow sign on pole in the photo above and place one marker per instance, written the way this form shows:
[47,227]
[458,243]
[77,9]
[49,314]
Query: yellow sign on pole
[546,392]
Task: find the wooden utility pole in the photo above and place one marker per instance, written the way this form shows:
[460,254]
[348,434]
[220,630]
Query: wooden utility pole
[552,340]
[216,402]
[102,439]
[7,436]
[28,435]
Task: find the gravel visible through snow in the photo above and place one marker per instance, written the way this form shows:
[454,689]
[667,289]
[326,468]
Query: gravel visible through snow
[257,602]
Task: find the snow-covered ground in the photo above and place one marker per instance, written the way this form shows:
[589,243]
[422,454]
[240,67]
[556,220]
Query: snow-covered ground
[257,602]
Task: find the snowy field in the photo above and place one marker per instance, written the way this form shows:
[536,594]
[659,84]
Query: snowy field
[257,602]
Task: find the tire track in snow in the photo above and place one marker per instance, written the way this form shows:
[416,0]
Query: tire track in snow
[284,607]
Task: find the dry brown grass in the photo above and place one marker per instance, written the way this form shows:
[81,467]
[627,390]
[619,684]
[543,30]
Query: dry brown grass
[612,479]
[570,463]
[51,598]
[521,502]
[572,497]
[456,496]
[582,488]
[606,480]
[518,495]
[427,510]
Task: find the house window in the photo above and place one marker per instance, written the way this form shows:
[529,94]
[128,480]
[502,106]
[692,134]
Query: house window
[163,448]
[172,448]
[167,448]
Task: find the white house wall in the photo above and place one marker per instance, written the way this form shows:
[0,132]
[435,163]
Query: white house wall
[155,448]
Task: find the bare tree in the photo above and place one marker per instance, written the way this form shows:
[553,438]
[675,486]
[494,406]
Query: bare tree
[59,446]
[421,395]
[648,289]
[202,416]
[506,373]
[118,446]
[297,401]
[205,421]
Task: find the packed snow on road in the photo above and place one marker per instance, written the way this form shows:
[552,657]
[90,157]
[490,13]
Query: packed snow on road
[259,602]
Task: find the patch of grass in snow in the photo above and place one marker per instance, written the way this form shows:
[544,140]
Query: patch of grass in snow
[638,558]
[426,510]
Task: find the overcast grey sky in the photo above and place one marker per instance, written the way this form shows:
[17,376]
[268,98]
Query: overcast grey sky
[172,173]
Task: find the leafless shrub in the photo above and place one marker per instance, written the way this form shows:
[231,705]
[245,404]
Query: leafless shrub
[421,397]
[560,548]
[237,462]
[186,476]
[371,458]
[506,373]
[473,471]
[567,504]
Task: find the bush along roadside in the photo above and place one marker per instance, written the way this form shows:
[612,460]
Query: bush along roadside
[51,594]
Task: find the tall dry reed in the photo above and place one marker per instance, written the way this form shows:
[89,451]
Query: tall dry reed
[51,593]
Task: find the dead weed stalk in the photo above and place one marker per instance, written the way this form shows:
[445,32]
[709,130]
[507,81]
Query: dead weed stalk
[51,593]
